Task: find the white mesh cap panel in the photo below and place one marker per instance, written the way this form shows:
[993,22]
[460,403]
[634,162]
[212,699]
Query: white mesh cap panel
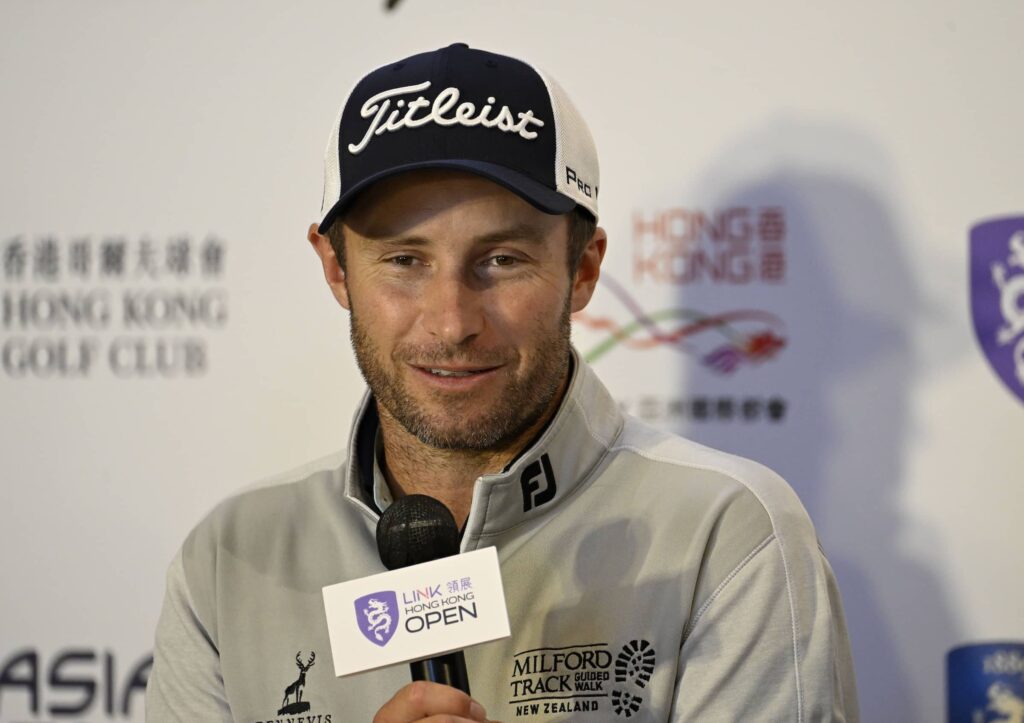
[332,171]
[577,173]
[332,168]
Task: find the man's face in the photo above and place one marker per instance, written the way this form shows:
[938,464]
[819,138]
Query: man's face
[460,298]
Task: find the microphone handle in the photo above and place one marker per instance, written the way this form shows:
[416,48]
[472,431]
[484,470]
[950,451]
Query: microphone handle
[448,669]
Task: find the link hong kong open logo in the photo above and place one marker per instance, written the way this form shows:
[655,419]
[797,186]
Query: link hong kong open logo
[377,615]
[447,603]
[997,297]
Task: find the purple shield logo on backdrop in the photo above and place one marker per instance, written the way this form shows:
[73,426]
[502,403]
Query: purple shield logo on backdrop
[377,616]
[997,297]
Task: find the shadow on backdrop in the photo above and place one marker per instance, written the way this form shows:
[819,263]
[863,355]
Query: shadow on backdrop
[850,305]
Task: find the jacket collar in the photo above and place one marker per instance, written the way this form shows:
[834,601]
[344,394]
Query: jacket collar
[537,482]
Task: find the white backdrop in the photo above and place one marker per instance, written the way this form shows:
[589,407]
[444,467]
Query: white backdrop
[167,337]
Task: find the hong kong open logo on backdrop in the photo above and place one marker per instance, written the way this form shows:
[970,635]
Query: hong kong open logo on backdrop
[997,296]
[377,616]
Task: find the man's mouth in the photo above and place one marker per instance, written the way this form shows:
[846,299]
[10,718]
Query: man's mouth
[442,372]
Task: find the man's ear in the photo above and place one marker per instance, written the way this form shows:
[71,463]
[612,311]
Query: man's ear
[333,272]
[589,270]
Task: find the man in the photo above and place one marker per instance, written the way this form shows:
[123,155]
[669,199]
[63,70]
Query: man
[647,577]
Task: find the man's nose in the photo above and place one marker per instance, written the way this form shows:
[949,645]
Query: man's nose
[453,310]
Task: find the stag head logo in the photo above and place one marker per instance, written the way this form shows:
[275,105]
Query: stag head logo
[294,691]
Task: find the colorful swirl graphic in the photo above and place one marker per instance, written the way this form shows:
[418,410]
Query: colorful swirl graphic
[645,332]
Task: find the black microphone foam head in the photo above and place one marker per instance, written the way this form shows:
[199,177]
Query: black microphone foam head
[416,529]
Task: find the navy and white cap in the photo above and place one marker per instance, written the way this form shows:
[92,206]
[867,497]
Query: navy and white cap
[462,108]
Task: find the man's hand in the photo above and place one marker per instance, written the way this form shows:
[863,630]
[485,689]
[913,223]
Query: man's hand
[433,702]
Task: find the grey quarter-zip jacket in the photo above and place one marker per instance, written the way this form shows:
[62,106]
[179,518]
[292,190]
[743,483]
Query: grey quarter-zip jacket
[648,578]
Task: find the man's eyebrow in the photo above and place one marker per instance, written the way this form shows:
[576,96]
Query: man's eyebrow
[518,232]
[531,233]
[397,240]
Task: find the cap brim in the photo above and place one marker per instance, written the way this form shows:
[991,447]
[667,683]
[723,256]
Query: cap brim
[531,191]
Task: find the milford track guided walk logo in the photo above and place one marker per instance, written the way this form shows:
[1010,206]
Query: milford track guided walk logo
[588,678]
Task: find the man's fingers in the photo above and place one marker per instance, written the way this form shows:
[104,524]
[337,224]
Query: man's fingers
[432,701]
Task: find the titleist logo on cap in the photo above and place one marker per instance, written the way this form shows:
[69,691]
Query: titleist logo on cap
[445,110]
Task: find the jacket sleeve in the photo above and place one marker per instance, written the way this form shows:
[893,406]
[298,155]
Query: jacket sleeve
[769,644]
[185,683]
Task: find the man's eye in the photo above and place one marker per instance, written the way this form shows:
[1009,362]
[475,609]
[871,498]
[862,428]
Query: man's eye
[501,260]
[402,260]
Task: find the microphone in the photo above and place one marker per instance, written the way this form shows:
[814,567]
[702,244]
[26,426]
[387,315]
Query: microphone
[416,529]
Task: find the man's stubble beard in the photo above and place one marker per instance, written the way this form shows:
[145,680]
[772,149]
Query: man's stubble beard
[520,406]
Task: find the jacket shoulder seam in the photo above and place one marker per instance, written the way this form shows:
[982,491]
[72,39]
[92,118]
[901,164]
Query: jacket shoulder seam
[193,608]
[590,429]
[782,551]
[695,620]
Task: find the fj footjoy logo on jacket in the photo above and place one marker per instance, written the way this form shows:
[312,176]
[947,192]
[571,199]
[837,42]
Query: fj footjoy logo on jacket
[588,678]
[377,616]
[538,482]
[293,703]
[444,110]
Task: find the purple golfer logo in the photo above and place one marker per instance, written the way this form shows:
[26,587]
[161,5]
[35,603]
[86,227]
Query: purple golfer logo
[997,297]
[377,616]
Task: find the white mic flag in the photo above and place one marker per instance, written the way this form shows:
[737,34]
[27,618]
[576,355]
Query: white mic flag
[416,612]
